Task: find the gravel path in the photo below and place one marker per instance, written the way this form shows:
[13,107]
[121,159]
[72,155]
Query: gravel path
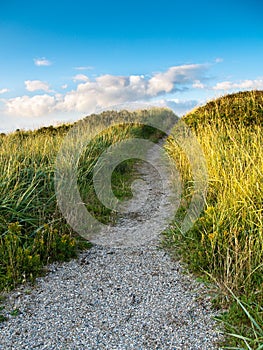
[113,298]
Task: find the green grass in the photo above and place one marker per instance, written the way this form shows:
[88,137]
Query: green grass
[226,242]
[32,230]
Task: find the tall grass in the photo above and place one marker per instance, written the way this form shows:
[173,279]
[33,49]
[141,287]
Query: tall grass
[226,242]
[32,230]
[30,224]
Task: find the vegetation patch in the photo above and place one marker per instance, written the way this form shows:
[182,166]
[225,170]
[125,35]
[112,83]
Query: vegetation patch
[32,230]
[226,242]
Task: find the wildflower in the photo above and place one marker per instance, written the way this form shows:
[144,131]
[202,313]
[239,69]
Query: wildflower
[209,210]
[211,236]
[64,239]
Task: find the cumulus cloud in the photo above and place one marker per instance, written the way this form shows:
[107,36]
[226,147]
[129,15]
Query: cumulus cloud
[30,107]
[244,84]
[42,62]
[35,85]
[198,85]
[64,86]
[80,77]
[174,77]
[106,90]
[4,90]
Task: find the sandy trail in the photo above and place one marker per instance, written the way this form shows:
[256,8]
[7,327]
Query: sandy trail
[116,296]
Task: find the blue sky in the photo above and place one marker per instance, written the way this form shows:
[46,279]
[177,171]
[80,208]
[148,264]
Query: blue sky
[63,60]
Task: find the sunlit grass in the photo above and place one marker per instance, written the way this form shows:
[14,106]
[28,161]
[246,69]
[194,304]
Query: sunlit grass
[32,230]
[226,242]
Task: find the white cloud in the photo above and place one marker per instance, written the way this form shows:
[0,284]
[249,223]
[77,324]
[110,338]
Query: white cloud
[198,85]
[42,62]
[25,106]
[174,77]
[224,85]
[219,60]
[84,68]
[244,84]
[105,91]
[108,90]
[64,86]
[4,90]
[35,85]
[80,77]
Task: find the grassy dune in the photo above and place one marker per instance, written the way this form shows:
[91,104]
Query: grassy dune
[225,245]
[32,229]
[226,242]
